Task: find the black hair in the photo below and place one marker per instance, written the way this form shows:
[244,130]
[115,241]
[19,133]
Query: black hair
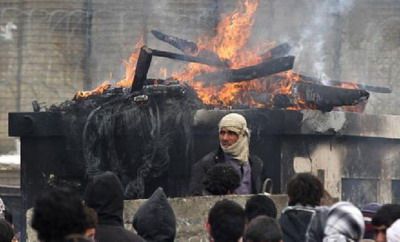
[221,179]
[57,213]
[227,220]
[258,205]
[263,229]
[6,231]
[386,215]
[305,189]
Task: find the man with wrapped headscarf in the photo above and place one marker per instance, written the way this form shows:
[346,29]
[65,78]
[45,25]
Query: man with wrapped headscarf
[234,139]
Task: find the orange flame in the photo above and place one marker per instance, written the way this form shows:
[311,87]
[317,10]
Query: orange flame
[230,46]
[97,91]
[130,65]
[233,32]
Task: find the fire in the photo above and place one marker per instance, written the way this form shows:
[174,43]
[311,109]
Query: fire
[97,91]
[130,65]
[233,33]
[230,46]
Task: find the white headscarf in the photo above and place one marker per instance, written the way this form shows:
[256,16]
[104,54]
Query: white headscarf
[345,222]
[2,208]
[393,232]
[237,123]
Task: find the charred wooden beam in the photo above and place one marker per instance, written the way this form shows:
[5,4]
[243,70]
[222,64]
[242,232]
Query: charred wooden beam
[186,46]
[368,87]
[190,48]
[188,58]
[277,51]
[142,68]
[249,73]
[324,98]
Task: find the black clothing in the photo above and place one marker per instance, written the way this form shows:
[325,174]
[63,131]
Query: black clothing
[315,232]
[155,220]
[108,233]
[104,193]
[200,168]
[294,222]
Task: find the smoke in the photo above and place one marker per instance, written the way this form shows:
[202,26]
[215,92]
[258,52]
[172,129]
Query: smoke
[312,44]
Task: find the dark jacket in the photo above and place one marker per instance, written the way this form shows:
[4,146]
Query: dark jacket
[315,232]
[104,193]
[294,222]
[200,168]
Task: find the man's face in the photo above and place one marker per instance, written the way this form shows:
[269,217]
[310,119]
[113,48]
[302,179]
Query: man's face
[227,137]
[380,233]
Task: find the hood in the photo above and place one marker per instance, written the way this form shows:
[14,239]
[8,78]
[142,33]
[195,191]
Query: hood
[155,219]
[104,193]
[315,231]
[294,222]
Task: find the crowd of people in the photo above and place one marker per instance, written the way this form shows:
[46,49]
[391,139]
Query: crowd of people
[62,215]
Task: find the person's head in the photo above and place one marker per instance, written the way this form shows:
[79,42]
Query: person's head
[393,232]
[155,220]
[345,222]
[91,222]
[369,210]
[258,205]
[221,179]
[383,219]
[234,136]
[226,221]
[305,189]
[263,229]
[232,127]
[6,231]
[104,193]
[58,213]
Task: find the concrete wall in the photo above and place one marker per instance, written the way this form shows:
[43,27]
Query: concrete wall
[190,223]
[60,47]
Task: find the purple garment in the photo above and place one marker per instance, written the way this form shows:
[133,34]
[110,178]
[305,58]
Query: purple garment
[244,172]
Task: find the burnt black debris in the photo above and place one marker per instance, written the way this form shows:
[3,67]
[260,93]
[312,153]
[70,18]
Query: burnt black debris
[136,135]
[324,98]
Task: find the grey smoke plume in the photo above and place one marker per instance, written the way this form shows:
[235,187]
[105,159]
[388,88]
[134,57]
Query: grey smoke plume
[314,36]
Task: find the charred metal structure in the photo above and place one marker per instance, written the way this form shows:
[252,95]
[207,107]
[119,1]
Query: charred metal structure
[355,154]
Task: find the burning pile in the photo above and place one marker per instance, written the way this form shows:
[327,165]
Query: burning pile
[226,74]
[141,128]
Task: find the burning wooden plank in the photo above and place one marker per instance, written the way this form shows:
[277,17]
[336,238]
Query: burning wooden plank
[250,72]
[142,68]
[278,51]
[190,48]
[315,96]
[144,61]
[368,87]
[186,46]
[189,58]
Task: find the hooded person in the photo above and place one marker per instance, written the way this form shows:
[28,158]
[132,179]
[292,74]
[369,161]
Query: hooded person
[304,192]
[155,220]
[345,222]
[315,230]
[393,232]
[104,193]
[234,141]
